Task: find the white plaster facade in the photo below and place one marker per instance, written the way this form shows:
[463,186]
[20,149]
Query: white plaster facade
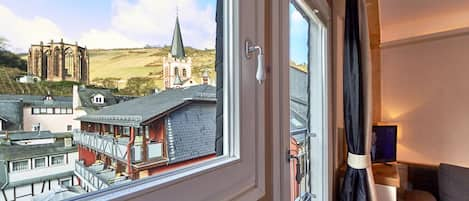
[27,191]
[52,122]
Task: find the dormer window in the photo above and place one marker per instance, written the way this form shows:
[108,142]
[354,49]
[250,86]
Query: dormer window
[98,99]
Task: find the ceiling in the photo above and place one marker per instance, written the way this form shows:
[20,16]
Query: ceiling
[407,18]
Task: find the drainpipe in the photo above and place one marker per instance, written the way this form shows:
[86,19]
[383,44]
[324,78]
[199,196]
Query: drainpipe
[129,147]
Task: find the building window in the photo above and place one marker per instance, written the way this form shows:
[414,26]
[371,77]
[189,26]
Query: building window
[39,162]
[20,165]
[63,110]
[66,182]
[50,110]
[69,111]
[36,111]
[57,160]
[98,99]
[43,110]
[69,127]
[184,73]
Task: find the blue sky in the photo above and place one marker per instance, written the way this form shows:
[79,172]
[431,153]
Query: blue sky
[298,37]
[107,23]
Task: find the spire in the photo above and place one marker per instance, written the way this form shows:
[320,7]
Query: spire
[177,47]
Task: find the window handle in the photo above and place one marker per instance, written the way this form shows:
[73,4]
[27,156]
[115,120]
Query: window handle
[250,49]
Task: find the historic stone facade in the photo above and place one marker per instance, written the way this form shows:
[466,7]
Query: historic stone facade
[59,61]
[177,68]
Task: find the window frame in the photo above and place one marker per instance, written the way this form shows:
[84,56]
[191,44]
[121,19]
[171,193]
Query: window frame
[18,161]
[34,162]
[242,167]
[60,164]
[280,99]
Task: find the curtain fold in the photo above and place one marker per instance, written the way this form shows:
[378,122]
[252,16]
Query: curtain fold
[219,71]
[358,184]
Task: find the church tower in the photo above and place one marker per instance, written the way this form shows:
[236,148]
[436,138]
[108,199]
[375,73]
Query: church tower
[177,68]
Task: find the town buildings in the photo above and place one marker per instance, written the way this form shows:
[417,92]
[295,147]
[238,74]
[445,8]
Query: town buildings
[35,162]
[146,136]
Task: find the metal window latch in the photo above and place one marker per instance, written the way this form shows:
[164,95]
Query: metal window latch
[250,49]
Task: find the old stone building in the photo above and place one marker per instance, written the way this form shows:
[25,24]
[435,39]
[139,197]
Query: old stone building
[177,68]
[59,61]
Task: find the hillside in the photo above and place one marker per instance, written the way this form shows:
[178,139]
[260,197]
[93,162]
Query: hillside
[144,62]
[8,85]
[116,65]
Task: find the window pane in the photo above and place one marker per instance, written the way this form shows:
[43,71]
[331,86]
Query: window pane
[39,162]
[57,160]
[139,77]
[20,165]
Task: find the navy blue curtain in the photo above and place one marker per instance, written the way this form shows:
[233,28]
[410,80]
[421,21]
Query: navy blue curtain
[219,71]
[355,185]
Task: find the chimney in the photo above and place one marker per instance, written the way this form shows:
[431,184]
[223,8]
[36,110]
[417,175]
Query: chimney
[76,97]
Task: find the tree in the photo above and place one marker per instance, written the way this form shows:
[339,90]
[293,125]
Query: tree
[3,43]
[139,86]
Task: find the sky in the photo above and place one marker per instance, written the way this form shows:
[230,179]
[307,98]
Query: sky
[107,24]
[298,37]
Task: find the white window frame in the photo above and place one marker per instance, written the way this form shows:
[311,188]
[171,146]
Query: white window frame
[242,167]
[98,99]
[280,86]
[34,162]
[63,160]
[17,161]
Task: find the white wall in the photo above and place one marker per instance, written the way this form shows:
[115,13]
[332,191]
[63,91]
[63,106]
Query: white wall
[51,122]
[425,90]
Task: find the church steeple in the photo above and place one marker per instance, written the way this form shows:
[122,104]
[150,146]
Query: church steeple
[177,46]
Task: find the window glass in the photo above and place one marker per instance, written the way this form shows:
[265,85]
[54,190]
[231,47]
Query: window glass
[140,78]
[20,165]
[66,183]
[57,160]
[39,162]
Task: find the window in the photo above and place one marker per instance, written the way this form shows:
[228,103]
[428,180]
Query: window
[69,111]
[39,162]
[36,110]
[57,160]
[20,165]
[43,110]
[50,110]
[66,182]
[186,126]
[69,127]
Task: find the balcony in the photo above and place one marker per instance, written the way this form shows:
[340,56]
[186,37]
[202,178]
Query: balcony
[117,147]
[96,177]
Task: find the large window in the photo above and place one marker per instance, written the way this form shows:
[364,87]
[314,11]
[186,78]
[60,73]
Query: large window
[163,122]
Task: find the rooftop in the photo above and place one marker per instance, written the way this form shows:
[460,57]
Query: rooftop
[18,152]
[32,135]
[137,111]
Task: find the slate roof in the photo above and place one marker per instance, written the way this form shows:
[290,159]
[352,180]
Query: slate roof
[86,94]
[59,101]
[12,110]
[32,135]
[191,131]
[139,110]
[177,46]
[18,152]
[298,99]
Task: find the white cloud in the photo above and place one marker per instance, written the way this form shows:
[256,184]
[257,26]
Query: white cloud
[134,23]
[22,32]
[96,39]
[155,19]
